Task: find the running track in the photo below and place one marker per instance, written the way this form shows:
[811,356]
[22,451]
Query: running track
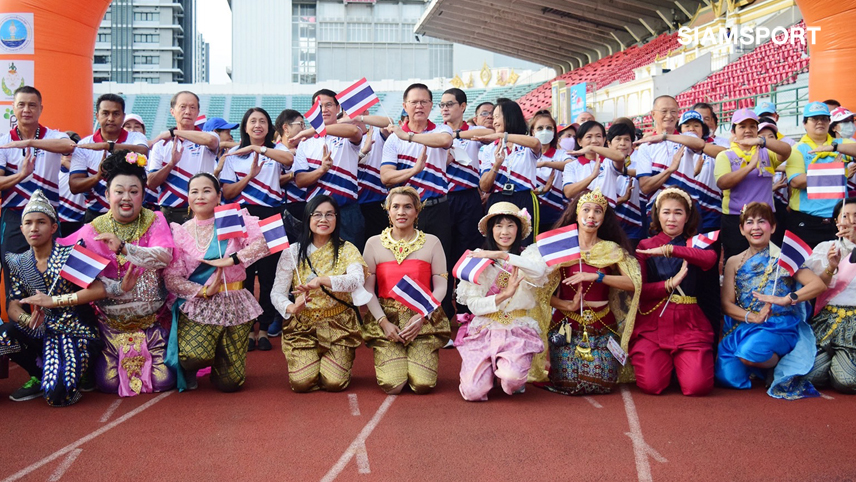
[267,432]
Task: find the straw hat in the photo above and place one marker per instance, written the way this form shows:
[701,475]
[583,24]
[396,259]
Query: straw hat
[507,209]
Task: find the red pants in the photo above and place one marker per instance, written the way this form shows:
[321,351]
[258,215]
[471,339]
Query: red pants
[653,366]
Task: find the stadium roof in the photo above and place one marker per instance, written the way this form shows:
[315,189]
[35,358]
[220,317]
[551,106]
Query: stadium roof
[563,34]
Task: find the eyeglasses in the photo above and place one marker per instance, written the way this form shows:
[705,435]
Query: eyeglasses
[485,114]
[301,124]
[325,216]
[821,119]
[444,105]
[420,103]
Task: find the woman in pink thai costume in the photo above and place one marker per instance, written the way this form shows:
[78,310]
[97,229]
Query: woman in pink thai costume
[214,313]
[834,321]
[501,338]
[138,244]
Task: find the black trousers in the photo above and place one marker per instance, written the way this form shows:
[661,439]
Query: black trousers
[265,270]
[434,219]
[466,210]
[31,349]
[733,242]
[376,220]
[811,229]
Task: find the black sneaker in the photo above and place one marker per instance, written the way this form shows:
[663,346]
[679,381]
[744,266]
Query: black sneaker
[32,389]
[264,344]
[252,345]
[87,382]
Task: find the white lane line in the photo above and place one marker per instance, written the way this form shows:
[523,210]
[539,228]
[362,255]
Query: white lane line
[363,459]
[593,402]
[60,471]
[358,442]
[827,397]
[112,408]
[70,447]
[355,407]
[640,449]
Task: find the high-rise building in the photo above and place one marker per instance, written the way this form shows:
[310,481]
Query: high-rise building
[147,41]
[305,42]
[203,70]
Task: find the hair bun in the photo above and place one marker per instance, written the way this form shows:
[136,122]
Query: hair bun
[116,164]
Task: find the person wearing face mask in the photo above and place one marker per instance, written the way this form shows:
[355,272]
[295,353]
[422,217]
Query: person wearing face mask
[764,332]
[548,177]
[566,134]
[834,321]
[672,332]
[138,245]
[842,125]
[811,219]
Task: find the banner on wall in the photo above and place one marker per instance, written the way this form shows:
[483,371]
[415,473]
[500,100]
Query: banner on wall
[14,74]
[16,33]
[578,99]
[7,119]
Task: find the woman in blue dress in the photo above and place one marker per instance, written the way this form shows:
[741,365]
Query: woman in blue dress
[765,328]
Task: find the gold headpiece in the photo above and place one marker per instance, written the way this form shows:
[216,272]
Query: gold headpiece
[595,196]
[674,190]
[38,203]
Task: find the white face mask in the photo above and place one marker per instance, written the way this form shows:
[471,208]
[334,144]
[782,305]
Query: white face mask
[568,144]
[846,129]
[544,136]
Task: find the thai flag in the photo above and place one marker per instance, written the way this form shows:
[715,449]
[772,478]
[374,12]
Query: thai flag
[83,266]
[200,121]
[228,222]
[702,241]
[559,245]
[469,269]
[826,181]
[313,116]
[794,253]
[414,296]
[357,98]
[274,231]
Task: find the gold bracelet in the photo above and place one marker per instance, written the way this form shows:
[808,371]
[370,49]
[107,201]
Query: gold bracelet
[830,273]
[24,318]
[205,292]
[61,301]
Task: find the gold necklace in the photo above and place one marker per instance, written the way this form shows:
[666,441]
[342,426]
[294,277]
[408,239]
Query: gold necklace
[124,231]
[401,248]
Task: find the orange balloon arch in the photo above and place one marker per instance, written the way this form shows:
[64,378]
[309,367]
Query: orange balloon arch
[833,55]
[62,36]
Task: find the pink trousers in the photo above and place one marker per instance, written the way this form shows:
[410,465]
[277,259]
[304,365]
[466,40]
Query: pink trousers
[502,352]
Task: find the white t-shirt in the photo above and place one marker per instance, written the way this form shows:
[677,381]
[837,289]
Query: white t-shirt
[340,182]
[45,174]
[88,162]
[262,190]
[517,169]
[370,187]
[72,207]
[195,158]
[432,182]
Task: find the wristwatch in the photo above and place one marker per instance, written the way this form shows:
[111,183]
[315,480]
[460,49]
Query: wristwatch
[794,297]
[834,147]
[235,259]
[263,150]
[458,134]
[111,145]
[172,131]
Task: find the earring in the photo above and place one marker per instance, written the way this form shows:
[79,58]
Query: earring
[188,210]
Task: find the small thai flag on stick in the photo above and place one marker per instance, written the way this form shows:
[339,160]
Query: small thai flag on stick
[559,245]
[228,222]
[702,241]
[469,269]
[794,253]
[313,116]
[273,230]
[826,181]
[83,266]
[414,296]
[357,98]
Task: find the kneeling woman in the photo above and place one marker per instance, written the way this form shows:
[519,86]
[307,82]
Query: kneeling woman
[322,329]
[764,331]
[502,337]
[212,317]
[138,245]
[605,285]
[675,336]
[405,344]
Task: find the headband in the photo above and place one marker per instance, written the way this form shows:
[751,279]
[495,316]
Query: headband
[674,190]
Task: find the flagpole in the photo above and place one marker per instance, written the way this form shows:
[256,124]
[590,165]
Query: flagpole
[220,250]
[52,285]
[777,279]
[509,272]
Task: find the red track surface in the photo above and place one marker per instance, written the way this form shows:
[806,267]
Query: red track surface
[267,432]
